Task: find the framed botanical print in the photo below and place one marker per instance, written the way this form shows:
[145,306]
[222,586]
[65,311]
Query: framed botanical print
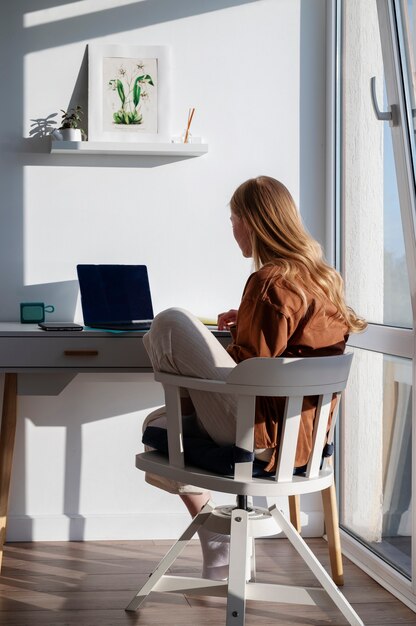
[128,93]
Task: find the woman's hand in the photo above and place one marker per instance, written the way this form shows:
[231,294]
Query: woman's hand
[225,320]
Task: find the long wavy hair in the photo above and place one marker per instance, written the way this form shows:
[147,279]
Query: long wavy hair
[278,237]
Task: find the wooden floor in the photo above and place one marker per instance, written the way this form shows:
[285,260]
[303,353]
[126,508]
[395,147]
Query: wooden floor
[90,583]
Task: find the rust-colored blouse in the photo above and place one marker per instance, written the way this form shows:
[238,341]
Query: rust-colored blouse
[272,321]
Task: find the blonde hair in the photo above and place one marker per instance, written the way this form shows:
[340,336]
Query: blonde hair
[278,237]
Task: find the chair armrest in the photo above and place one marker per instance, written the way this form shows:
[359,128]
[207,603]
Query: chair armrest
[268,377]
[243,388]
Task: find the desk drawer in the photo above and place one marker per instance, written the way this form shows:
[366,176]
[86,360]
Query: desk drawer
[114,351]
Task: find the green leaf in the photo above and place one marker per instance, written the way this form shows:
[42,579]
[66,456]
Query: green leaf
[118,117]
[127,117]
[135,118]
[120,91]
[136,92]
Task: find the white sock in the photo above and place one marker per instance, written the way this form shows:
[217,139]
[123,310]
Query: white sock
[216,554]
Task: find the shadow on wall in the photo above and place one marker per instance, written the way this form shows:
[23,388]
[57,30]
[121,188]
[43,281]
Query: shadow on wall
[41,128]
[62,296]
[312,81]
[71,410]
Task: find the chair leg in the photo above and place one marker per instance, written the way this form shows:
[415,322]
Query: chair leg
[239,549]
[294,512]
[329,501]
[170,557]
[317,569]
[253,560]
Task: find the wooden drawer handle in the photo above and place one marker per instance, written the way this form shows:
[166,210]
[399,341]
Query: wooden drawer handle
[80,352]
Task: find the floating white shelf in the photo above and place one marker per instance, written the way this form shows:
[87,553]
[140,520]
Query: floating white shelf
[126,149]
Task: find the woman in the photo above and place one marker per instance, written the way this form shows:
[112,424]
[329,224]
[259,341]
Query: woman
[292,306]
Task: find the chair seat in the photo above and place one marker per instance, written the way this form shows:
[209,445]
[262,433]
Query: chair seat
[156,463]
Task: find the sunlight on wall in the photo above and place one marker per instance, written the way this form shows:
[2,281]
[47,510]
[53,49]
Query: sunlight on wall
[72,9]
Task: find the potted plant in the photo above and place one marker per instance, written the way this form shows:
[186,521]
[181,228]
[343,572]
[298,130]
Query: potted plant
[69,129]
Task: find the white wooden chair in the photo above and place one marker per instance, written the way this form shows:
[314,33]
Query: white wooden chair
[293,379]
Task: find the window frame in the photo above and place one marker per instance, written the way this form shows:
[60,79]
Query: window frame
[378,338]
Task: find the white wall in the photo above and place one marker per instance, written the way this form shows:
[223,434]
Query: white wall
[255,71]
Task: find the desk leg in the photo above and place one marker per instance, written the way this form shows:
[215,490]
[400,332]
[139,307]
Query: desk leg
[7,434]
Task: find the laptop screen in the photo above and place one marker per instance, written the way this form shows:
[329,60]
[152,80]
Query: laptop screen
[114,293]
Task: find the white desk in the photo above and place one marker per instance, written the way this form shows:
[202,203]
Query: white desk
[37,361]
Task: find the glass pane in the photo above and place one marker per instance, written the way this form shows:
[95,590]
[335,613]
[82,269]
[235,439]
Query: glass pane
[374,263]
[376,458]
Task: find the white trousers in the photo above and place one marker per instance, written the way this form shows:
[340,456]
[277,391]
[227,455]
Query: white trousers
[179,343]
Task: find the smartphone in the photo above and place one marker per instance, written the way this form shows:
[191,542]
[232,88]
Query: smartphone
[60,326]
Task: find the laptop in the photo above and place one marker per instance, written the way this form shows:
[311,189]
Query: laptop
[115,297]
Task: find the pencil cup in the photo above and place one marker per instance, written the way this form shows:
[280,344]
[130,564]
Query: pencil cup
[191,139]
[186,136]
[34,312]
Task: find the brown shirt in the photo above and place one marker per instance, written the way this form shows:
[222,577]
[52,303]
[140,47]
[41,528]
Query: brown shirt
[272,321]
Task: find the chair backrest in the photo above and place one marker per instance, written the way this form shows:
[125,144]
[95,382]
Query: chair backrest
[293,379]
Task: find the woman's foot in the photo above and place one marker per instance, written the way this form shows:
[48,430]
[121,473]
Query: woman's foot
[215,553]
[215,547]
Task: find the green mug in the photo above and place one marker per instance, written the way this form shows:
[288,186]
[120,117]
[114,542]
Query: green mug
[34,312]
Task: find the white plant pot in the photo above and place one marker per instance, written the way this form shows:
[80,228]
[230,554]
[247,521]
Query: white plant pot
[67,134]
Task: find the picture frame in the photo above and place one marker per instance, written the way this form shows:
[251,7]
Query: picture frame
[128,93]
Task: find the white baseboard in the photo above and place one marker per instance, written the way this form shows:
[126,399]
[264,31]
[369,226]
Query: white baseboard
[118,527]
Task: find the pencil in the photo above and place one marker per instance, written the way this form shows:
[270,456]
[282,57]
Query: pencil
[190,116]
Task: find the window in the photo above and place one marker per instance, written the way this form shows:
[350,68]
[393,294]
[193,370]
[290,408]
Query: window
[377,238]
